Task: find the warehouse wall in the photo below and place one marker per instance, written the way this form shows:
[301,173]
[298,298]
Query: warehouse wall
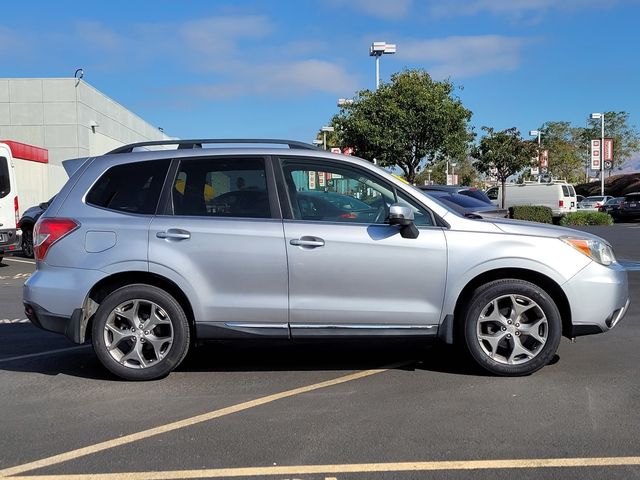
[69,118]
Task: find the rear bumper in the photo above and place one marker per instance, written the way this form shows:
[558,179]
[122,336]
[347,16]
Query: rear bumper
[599,298]
[11,237]
[68,326]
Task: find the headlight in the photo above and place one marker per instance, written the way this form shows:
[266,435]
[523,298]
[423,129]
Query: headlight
[596,250]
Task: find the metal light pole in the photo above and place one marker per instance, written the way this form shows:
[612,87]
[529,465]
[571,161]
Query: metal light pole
[595,116]
[538,133]
[377,49]
[429,172]
[453,173]
[326,129]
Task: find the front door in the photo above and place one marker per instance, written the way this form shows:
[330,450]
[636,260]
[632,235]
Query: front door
[349,271]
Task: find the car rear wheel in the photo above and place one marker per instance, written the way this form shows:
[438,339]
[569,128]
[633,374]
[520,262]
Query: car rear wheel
[140,332]
[27,242]
[512,327]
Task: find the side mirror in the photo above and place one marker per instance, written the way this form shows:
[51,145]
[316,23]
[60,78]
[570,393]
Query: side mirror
[400,215]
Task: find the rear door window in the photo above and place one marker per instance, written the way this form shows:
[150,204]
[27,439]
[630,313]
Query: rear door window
[5,182]
[222,187]
[132,187]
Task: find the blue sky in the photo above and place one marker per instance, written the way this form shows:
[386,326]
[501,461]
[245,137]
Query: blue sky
[276,68]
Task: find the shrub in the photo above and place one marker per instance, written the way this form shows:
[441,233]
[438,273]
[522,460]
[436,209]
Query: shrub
[586,218]
[533,213]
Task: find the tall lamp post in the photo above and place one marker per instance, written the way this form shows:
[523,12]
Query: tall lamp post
[595,116]
[537,133]
[326,129]
[453,173]
[377,49]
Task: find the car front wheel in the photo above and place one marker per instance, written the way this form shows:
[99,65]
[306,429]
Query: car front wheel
[140,332]
[512,327]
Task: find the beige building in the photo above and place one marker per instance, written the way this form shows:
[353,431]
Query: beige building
[69,118]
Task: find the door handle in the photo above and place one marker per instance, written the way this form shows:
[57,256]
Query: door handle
[174,234]
[312,242]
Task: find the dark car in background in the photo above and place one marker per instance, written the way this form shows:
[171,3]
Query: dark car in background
[26,223]
[630,208]
[461,190]
[612,206]
[464,204]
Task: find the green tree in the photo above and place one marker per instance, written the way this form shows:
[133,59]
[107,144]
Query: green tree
[626,138]
[406,123]
[563,143]
[502,154]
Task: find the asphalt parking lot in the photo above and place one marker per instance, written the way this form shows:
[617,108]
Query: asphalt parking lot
[343,410]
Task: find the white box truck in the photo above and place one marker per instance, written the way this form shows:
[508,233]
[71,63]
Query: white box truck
[23,183]
[556,194]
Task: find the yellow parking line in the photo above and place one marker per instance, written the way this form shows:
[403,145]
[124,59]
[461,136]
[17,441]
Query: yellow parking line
[134,437]
[353,468]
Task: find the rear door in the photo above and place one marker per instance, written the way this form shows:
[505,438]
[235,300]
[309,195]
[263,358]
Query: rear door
[8,199]
[569,201]
[220,237]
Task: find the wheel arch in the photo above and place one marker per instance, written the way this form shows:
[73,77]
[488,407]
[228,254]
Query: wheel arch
[115,281]
[547,284]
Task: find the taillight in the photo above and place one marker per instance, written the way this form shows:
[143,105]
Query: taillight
[16,210]
[48,231]
[349,215]
[561,203]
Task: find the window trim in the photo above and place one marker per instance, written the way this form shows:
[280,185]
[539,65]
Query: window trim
[167,190]
[285,199]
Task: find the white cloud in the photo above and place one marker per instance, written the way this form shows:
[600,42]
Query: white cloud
[512,8]
[461,56]
[280,79]
[385,9]
[231,55]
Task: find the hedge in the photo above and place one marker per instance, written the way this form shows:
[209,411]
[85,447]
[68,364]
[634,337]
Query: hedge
[586,218]
[533,213]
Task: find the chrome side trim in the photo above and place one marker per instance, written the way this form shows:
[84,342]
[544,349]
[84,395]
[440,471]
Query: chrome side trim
[361,326]
[256,325]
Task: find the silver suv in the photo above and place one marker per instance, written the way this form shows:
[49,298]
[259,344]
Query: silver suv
[146,252]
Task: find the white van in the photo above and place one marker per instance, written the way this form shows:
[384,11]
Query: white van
[557,195]
[9,209]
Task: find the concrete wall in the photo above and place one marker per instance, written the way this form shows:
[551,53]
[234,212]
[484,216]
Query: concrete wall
[58,114]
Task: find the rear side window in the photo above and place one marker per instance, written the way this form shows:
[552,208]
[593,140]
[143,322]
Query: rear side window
[568,191]
[222,187]
[131,188]
[5,184]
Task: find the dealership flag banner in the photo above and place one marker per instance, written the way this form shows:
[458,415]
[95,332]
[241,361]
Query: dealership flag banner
[595,154]
[608,153]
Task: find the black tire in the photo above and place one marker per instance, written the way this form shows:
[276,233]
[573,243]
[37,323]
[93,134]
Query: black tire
[500,359]
[27,242]
[176,321]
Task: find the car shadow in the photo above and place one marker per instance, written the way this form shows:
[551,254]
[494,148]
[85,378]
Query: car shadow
[268,356]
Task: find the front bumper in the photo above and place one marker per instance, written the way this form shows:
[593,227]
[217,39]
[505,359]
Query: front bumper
[599,298]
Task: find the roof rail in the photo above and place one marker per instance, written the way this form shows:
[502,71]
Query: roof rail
[189,144]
